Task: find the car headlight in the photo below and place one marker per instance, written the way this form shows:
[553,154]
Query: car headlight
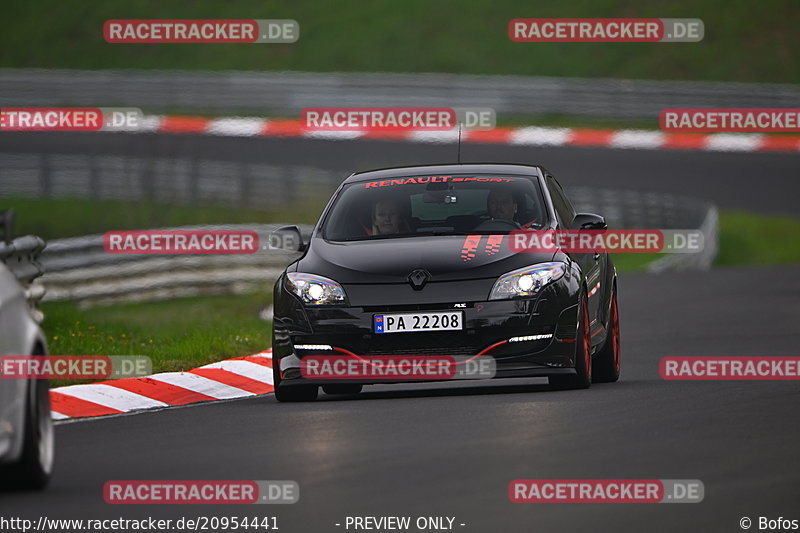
[526,281]
[315,290]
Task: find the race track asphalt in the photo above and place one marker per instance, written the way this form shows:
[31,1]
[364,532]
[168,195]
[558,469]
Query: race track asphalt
[452,449]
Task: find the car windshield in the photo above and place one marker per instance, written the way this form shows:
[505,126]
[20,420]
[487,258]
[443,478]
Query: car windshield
[409,206]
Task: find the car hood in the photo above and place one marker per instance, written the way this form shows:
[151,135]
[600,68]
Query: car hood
[446,258]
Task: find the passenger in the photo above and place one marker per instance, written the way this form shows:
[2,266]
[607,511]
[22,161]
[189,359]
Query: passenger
[387,219]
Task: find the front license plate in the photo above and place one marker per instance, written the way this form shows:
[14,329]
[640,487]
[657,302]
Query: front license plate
[411,322]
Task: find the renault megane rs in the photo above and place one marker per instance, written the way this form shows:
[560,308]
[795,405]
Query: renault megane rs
[416,261]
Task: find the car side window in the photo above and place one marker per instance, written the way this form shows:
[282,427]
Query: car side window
[563,208]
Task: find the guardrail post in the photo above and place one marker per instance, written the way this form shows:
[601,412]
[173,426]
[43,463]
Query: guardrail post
[7,223]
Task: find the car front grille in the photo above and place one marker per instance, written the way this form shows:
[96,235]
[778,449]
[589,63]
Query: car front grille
[430,343]
[437,351]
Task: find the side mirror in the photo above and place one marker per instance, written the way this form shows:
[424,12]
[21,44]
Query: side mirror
[589,221]
[287,238]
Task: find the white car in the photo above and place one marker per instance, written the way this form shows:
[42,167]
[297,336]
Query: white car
[26,426]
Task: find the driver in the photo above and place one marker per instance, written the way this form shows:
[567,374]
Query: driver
[388,219]
[501,204]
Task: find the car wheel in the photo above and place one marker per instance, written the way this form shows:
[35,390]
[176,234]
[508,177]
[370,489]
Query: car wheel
[33,469]
[606,361]
[342,388]
[295,393]
[583,354]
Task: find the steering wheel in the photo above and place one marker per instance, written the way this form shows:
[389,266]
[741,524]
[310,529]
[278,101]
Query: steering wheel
[497,224]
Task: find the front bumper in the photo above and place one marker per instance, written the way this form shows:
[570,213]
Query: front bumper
[491,329]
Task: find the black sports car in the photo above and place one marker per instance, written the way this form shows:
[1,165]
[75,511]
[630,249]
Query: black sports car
[416,261]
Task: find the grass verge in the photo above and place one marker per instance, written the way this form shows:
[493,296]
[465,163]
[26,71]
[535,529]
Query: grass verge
[68,217]
[749,239]
[177,335]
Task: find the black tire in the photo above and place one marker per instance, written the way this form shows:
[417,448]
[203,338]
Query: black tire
[342,388]
[606,366]
[295,393]
[35,466]
[583,354]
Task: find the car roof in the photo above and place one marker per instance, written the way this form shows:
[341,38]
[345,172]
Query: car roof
[469,168]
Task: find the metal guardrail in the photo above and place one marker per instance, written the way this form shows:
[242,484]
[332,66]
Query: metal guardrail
[20,255]
[637,210]
[79,269]
[286,93]
[640,210]
[21,258]
[699,261]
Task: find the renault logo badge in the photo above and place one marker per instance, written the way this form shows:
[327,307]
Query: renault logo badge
[418,278]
